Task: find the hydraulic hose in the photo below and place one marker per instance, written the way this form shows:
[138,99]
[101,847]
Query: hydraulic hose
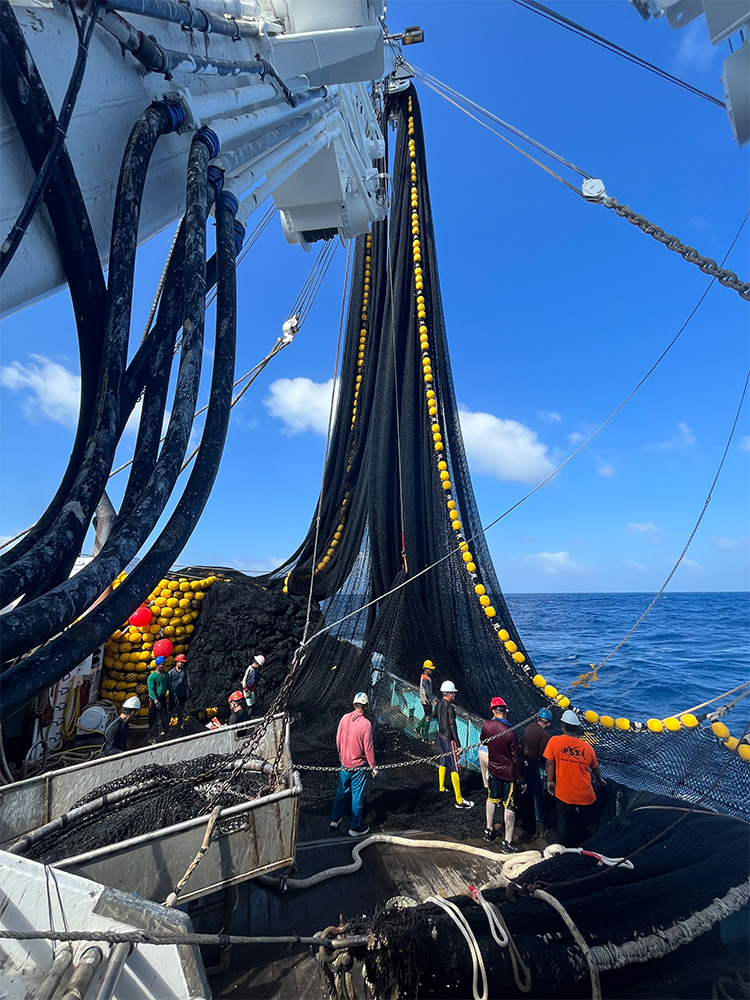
[65,536]
[29,104]
[51,612]
[187,16]
[47,665]
[35,195]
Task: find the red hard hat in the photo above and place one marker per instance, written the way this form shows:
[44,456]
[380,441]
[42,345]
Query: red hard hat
[235,696]
[497,703]
[181,658]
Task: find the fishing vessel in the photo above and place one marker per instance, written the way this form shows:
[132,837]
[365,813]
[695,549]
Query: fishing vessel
[394,569]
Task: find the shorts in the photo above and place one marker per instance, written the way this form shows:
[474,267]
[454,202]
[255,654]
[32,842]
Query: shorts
[502,791]
[447,756]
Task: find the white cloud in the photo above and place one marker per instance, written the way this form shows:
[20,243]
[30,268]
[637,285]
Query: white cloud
[647,531]
[636,566]
[745,443]
[692,565]
[54,392]
[730,544]
[503,448]
[682,439]
[302,404]
[606,470]
[554,563]
[257,565]
[549,417]
[575,437]
[694,51]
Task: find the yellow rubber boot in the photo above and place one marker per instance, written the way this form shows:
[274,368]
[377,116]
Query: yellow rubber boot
[456,787]
[441,775]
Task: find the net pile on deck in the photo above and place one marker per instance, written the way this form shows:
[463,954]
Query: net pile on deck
[683,883]
[162,796]
[397,499]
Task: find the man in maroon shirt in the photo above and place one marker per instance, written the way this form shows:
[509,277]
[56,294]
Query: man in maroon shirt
[354,744]
[505,772]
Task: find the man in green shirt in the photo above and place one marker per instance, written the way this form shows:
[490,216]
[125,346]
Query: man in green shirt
[159,689]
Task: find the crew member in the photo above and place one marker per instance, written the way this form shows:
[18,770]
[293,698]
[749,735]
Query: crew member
[159,687]
[505,772]
[449,742]
[571,762]
[238,709]
[116,733]
[535,739]
[356,753]
[426,698]
[250,680]
[180,684]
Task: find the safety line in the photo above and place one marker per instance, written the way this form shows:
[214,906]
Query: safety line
[578,29]
[485,528]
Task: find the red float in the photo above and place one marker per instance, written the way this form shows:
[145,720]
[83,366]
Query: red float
[163,648]
[141,617]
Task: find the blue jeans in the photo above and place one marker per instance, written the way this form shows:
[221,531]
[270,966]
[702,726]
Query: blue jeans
[355,782]
[534,784]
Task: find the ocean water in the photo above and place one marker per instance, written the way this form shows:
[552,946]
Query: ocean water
[690,648]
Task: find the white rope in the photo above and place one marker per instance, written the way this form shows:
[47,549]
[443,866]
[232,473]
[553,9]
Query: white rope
[477,962]
[596,990]
[502,937]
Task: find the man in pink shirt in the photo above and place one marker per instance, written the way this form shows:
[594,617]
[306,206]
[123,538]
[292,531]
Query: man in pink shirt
[354,744]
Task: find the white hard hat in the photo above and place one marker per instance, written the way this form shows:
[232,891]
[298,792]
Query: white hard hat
[570,718]
[260,659]
[448,687]
[133,704]
[360,698]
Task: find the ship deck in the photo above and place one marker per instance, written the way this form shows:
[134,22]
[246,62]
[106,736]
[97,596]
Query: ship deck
[388,870]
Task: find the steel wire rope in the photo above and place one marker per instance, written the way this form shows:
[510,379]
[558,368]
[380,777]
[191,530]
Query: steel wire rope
[331,410]
[518,149]
[485,528]
[444,88]
[578,29]
[33,200]
[596,195]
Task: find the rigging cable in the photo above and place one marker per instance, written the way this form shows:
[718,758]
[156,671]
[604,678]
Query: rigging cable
[593,190]
[578,29]
[35,195]
[491,524]
[331,411]
[592,675]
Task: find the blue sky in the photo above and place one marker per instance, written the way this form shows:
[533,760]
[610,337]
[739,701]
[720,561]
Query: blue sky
[554,308]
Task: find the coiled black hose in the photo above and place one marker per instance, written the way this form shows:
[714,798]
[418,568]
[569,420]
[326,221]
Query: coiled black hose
[44,617]
[65,535]
[43,668]
[29,104]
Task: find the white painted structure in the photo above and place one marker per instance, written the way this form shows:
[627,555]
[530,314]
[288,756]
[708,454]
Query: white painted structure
[321,176]
[31,895]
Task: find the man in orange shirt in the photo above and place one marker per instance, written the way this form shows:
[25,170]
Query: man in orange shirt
[570,763]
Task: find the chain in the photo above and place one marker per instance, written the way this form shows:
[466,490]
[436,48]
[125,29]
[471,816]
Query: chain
[707,264]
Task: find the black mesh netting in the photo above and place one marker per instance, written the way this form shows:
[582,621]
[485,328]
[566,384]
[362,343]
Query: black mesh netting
[678,881]
[397,507]
[185,790]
